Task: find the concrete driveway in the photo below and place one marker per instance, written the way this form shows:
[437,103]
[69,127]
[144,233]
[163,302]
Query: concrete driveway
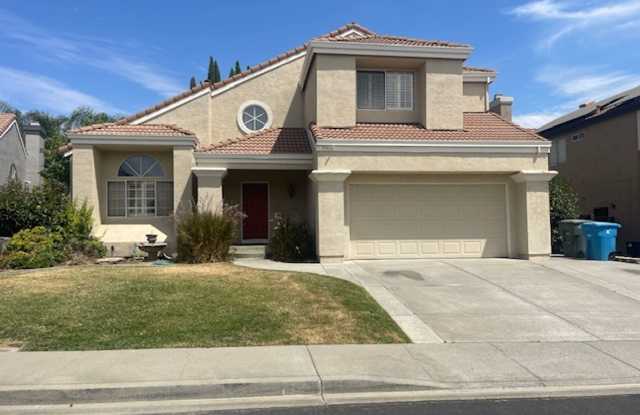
[501,300]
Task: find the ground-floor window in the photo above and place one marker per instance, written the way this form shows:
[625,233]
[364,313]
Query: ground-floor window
[143,192]
[139,198]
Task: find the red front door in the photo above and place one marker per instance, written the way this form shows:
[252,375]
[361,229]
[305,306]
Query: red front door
[255,205]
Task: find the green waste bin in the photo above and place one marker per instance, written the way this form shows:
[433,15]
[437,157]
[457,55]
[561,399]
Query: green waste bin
[574,242]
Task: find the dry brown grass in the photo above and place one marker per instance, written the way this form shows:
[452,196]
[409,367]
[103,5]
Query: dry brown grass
[123,306]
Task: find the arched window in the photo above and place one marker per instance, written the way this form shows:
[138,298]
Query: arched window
[142,191]
[140,166]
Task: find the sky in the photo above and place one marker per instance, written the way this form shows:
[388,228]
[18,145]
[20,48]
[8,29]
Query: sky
[123,56]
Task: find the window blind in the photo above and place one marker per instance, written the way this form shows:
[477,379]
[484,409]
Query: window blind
[370,88]
[115,199]
[399,90]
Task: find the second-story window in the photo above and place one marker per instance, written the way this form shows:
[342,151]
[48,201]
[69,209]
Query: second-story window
[379,90]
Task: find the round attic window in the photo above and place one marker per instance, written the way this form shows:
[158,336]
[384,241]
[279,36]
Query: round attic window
[254,116]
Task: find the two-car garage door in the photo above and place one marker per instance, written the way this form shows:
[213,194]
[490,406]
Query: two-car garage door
[427,220]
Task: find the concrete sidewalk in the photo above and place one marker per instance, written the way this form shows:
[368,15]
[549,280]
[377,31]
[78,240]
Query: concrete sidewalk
[312,374]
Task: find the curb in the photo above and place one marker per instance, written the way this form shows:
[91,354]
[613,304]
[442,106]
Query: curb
[176,404]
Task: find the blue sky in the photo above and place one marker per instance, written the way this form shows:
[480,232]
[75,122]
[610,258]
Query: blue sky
[122,56]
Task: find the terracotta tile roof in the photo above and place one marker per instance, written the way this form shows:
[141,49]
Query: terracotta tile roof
[394,40]
[150,130]
[6,119]
[271,141]
[485,126]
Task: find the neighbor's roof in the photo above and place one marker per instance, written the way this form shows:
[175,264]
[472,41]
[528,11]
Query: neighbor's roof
[6,118]
[365,35]
[593,111]
[270,141]
[148,130]
[478,126]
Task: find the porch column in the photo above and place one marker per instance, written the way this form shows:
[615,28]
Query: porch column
[331,229]
[532,207]
[182,190]
[84,185]
[210,187]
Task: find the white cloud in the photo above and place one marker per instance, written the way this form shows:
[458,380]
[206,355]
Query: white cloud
[535,119]
[575,86]
[24,88]
[583,84]
[98,53]
[567,17]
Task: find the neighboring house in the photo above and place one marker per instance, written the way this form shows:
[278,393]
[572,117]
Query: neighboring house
[384,145]
[21,151]
[596,148]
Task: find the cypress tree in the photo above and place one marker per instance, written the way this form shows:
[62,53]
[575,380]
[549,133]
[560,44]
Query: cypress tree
[231,72]
[211,70]
[193,83]
[216,72]
[238,69]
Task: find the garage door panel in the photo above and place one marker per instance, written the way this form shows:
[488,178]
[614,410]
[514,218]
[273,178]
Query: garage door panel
[421,221]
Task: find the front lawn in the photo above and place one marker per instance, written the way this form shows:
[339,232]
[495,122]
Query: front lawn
[122,307]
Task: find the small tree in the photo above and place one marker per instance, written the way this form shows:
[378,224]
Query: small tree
[563,202]
[193,83]
[216,72]
[238,69]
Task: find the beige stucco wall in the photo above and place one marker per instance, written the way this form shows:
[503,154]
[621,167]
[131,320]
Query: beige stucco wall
[431,162]
[194,116]
[214,119]
[530,219]
[280,184]
[310,96]
[336,90]
[474,96]
[84,179]
[443,103]
[12,152]
[604,170]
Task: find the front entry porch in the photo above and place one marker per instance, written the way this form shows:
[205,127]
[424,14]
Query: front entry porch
[261,195]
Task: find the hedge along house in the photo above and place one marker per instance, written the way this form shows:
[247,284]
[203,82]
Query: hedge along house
[386,146]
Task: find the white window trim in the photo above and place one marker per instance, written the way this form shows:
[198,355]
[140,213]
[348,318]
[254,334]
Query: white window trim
[126,215]
[246,104]
[386,107]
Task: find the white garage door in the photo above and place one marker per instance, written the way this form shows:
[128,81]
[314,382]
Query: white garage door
[421,221]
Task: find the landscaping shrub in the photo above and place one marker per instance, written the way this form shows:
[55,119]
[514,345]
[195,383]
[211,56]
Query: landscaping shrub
[290,240]
[564,205]
[34,248]
[22,207]
[45,214]
[205,236]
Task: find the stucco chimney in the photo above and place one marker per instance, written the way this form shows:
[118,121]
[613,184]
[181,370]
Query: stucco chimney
[33,137]
[501,105]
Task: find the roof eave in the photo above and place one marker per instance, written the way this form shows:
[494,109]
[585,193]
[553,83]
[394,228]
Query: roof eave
[371,49]
[134,140]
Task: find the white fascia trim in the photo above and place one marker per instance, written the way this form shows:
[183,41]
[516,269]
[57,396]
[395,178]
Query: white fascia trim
[486,77]
[13,124]
[256,162]
[217,91]
[270,68]
[187,141]
[432,147]
[337,48]
[209,171]
[527,176]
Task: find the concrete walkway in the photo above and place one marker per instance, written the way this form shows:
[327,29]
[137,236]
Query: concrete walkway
[314,374]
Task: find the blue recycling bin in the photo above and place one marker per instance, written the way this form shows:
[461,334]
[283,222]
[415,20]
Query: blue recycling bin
[601,239]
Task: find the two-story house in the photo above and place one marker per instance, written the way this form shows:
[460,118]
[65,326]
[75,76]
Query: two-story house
[384,145]
[596,149]
[21,151]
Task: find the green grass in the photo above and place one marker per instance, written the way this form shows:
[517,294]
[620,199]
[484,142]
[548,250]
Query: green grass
[122,307]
